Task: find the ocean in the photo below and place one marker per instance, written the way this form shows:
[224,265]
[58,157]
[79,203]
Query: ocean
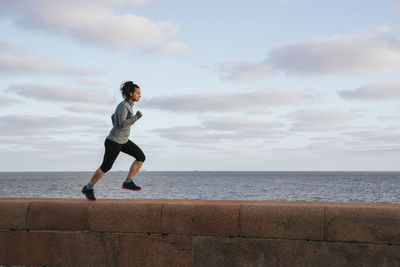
[287,186]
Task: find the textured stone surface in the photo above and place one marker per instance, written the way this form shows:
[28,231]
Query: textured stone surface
[126,217]
[242,252]
[202,218]
[282,221]
[363,224]
[176,219]
[215,220]
[13,213]
[265,233]
[25,248]
[58,215]
[85,249]
[142,250]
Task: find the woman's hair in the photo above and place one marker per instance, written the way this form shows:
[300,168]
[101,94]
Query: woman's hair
[128,87]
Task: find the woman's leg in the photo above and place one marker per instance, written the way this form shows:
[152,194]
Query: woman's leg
[134,169]
[133,150]
[112,150]
[96,176]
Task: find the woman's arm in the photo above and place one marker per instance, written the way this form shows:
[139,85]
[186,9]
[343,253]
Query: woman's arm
[124,121]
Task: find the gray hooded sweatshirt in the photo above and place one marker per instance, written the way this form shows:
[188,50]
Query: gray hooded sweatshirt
[122,120]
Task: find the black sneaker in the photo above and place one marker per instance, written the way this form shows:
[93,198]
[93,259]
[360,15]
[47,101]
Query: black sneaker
[89,194]
[131,186]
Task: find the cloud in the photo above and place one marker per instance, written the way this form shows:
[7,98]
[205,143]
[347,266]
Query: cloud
[226,102]
[376,91]
[353,54]
[82,108]
[306,120]
[243,71]
[387,117]
[377,137]
[223,129]
[243,128]
[45,144]
[343,148]
[12,46]
[59,93]
[375,142]
[191,134]
[347,54]
[140,3]
[7,101]
[397,9]
[18,60]
[239,124]
[39,153]
[99,23]
[36,125]
[91,82]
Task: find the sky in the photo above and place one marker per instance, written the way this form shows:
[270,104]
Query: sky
[243,85]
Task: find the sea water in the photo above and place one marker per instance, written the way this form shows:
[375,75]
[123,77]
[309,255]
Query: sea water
[288,186]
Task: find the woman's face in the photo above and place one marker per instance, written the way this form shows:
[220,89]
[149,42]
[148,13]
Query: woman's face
[135,95]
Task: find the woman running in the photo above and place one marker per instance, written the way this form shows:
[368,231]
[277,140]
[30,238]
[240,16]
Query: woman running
[118,140]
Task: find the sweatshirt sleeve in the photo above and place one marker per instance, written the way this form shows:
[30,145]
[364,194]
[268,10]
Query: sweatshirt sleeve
[113,118]
[122,117]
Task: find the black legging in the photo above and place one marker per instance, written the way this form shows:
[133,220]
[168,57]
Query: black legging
[113,149]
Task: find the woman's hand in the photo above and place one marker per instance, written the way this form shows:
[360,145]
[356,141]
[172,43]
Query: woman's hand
[139,114]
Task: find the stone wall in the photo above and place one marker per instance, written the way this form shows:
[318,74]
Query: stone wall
[139,232]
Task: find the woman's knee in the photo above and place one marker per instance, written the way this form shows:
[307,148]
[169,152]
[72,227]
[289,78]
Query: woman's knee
[141,158]
[105,167]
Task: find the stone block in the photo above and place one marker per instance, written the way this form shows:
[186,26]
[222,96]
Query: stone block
[363,224]
[215,219]
[58,215]
[202,218]
[13,213]
[25,248]
[142,250]
[176,219]
[85,249]
[282,221]
[126,217]
[243,252]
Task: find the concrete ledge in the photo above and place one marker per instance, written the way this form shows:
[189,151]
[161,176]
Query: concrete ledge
[282,221]
[141,250]
[363,224]
[84,249]
[145,232]
[25,248]
[58,215]
[212,251]
[13,213]
[128,217]
[212,219]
